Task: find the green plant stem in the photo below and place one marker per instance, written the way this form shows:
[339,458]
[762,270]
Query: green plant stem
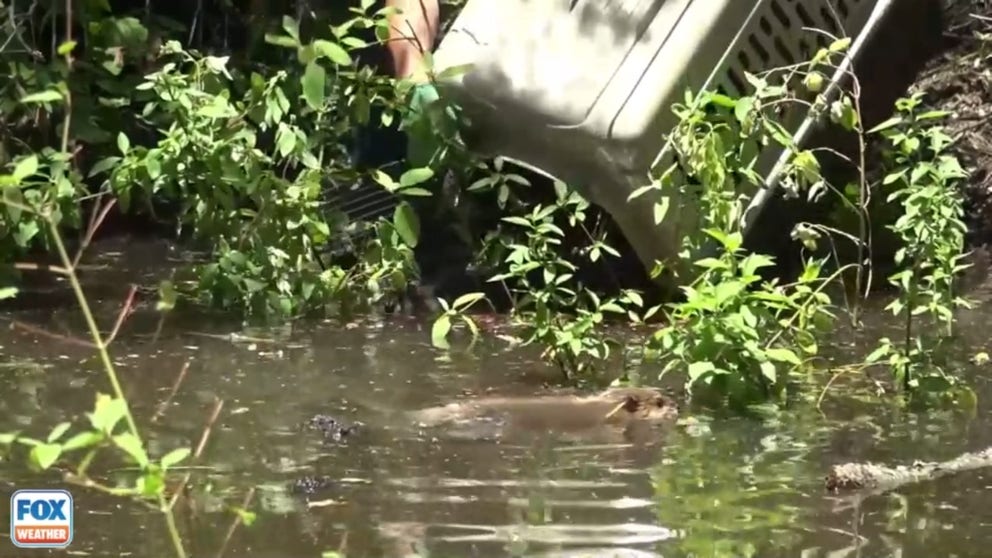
[805,305]
[101,346]
[108,366]
[77,288]
[908,341]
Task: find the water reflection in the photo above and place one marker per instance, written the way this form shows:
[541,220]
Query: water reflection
[721,486]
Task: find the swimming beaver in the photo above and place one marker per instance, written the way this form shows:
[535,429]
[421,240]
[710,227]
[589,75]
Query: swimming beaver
[614,406]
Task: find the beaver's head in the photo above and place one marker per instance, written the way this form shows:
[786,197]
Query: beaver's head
[641,403]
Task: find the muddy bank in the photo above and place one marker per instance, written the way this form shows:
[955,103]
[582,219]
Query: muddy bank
[959,81]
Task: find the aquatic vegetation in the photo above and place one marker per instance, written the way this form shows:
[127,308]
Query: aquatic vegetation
[921,175]
[111,423]
[735,334]
[245,159]
[741,336]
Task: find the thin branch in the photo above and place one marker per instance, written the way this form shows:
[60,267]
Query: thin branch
[206,431]
[96,219]
[172,393]
[55,336]
[218,405]
[237,521]
[124,313]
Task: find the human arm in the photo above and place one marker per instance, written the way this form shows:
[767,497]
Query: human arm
[412,31]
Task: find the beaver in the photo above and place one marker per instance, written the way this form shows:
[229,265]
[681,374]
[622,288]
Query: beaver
[619,406]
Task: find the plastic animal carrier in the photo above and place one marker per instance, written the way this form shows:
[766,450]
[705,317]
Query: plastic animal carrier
[581,90]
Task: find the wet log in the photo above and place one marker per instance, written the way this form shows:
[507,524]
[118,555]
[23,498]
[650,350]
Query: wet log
[869,477]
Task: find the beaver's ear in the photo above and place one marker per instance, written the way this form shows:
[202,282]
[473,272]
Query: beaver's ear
[631,404]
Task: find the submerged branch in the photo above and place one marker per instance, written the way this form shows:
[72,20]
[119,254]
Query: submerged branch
[877,479]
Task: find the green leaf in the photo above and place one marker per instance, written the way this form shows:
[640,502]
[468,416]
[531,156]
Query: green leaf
[166,296]
[354,42]
[48,96]
[439,331]
[291,27]
[107,412]
[218,108]
[731,242]
[416,192]
[7,438]
[661,210]
[416,176]
[453,71]
[175,456]
[103,165]
[894,121]
[843,112]
[467,300]
[151,483]
[281,40]
[314,80]
[123,143]
[7,292]
[45,455]
[382,32]
[612,307]
[517,221]
[879,353]
[470,324]
[58,431]
[840,44]
[132,446]
[769,372]
[635,298]
[333,51]
[26,230]
[13,200]
[444,304]
[754,262]
[698,369]
[783,355]
[285,140]
[407,224]
[743,108]
[66,47]
[385,180]
[253,285]
[25,168]
[641,191]
[153,166]
[83,440]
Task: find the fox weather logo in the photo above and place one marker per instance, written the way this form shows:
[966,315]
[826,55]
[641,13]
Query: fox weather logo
[41,518]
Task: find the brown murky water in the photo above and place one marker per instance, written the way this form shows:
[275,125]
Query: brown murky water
[720,487]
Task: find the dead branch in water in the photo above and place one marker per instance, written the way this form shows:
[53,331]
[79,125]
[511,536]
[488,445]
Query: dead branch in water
[172,393]
[876,479]
[183,486]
